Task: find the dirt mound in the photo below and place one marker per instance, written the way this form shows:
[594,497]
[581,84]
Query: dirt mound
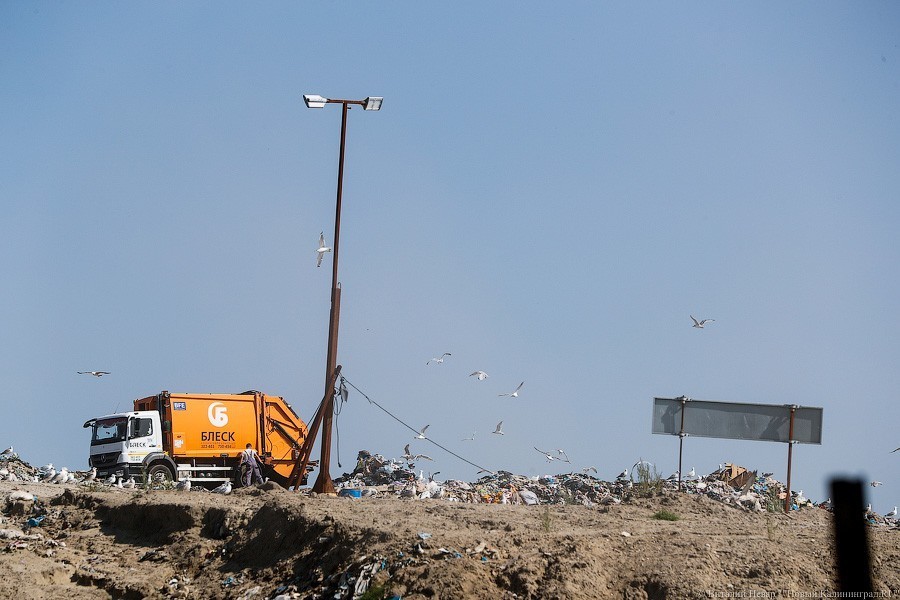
[108,543]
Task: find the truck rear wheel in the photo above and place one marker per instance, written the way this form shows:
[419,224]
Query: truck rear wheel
[160,471]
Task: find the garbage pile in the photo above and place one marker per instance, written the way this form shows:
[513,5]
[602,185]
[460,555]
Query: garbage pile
[12,468]
[375,475]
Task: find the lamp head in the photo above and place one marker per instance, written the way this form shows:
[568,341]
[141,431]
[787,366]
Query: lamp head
[314,101]
[374,102]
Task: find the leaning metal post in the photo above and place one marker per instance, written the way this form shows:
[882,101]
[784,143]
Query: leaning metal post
[324,484]
[296,476]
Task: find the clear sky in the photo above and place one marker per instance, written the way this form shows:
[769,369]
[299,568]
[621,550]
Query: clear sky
[548,193]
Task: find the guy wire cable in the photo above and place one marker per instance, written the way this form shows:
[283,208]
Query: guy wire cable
[396,418]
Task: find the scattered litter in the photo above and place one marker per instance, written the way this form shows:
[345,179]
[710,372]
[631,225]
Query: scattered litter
[35,521]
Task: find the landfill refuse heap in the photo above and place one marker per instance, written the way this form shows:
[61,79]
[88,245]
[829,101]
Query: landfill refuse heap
[730,484]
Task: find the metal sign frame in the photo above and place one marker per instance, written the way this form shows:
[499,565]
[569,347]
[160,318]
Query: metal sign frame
[786,423]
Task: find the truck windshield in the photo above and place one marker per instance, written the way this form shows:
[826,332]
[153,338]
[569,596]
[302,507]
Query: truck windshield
[109,430]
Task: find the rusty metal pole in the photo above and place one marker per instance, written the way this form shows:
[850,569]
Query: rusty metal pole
[681,435]
[302,460]
[787,497]
[324,484]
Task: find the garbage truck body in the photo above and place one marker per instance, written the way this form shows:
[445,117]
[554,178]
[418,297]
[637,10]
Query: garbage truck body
[198,437]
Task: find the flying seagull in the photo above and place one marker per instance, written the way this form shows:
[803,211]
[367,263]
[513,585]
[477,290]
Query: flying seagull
[469,439]
[586,469]
[514,394]
[875,483]
[94,373]
[421,435]
[438,360]
[322,249]
[479,375]
[700,324]
[499,429]
[550,457]
[410,457]
[892,451]
[562,453]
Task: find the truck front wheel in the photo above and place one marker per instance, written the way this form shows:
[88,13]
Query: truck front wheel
[160,472]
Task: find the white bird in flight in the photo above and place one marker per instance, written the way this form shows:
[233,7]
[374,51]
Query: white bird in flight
[322,249]
[550,457]
[565,457]
[514,394]
[421,435]
[469,439]
[94,373]
[586,469]
[439,360]
[499,429]
[875,483]
[479,375]
[701,323]
[410,457]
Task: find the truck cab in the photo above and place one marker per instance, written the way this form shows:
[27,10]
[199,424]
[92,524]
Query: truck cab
[127,444]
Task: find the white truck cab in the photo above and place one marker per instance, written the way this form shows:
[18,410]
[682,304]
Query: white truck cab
[126,444]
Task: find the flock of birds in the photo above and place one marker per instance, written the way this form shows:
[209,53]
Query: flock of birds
[480,375]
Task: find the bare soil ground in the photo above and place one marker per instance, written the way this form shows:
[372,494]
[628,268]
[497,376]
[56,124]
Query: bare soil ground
[268,543]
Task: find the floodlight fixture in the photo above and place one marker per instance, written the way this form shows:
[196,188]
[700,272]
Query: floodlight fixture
[314,101]
[374,102]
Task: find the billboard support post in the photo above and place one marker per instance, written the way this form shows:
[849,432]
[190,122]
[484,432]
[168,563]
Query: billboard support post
[787,497]
[681,435]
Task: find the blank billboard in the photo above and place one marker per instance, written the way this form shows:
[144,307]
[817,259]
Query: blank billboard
[737,421]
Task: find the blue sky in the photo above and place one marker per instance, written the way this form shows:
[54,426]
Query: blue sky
[548,193]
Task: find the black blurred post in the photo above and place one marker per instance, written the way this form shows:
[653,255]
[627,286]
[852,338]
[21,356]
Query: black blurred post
[854,570]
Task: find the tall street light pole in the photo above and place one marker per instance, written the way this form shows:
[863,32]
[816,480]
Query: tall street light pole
[324,484]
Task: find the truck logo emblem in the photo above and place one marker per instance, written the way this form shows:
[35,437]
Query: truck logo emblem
[217,414]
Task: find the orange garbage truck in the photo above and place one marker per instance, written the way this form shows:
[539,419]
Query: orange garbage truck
[199,437]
